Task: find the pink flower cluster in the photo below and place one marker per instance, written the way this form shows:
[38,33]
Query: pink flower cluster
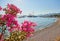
[12,9]
[27,27]
[10,21]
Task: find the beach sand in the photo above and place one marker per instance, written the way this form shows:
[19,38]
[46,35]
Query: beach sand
[48,34]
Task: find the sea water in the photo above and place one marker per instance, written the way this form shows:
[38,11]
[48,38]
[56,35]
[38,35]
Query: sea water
[40,21]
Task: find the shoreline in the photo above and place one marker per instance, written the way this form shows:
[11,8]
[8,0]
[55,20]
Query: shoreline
[47,34]
[47,27]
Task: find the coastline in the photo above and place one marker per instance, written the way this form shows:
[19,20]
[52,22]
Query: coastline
[47,34]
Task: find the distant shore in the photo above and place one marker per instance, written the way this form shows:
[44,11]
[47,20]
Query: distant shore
[48,34]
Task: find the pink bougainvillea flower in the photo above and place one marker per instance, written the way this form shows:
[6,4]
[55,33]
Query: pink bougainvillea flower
[8,17]
[12,9]
[0,8]
[27,27]
[11,23]
[14,28]
[15,22]
[28,24]
[10,20]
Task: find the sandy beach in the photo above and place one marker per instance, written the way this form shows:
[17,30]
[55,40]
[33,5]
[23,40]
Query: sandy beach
[48,34]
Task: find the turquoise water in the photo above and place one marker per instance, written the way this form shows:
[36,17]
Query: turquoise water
[41,22]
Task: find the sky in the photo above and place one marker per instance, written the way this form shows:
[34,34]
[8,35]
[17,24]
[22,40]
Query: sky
[34,7]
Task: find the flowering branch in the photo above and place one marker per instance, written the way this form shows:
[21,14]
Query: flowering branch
[17,32]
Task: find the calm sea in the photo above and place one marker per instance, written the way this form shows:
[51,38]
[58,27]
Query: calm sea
[41,22]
